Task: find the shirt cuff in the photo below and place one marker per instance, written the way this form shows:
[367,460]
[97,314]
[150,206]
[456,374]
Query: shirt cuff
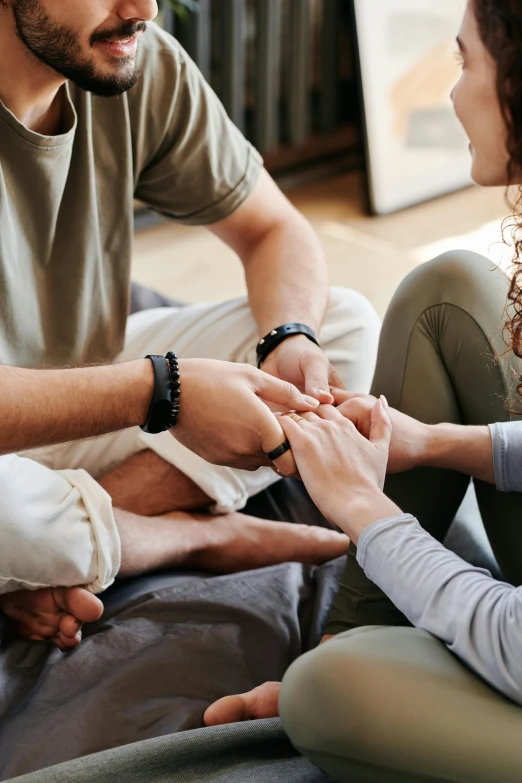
[507,455]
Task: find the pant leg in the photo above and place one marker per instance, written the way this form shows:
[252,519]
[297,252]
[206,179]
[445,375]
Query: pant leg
[393,705]
[56,528]
[225,331]
[437,363]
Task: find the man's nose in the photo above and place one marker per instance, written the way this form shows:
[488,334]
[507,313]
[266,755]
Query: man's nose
[138,10]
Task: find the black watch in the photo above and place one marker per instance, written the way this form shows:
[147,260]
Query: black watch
[276,337]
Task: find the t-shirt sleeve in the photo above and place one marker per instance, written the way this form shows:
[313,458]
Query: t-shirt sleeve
[191,162]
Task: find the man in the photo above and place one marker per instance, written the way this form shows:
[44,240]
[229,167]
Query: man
[98,108]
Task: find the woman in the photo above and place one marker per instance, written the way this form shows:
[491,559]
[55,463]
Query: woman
[385,700]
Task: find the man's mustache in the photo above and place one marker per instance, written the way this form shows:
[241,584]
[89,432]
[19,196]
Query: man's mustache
[125,30]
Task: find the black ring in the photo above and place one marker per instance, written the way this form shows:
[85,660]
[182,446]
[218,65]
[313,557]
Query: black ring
[276,453]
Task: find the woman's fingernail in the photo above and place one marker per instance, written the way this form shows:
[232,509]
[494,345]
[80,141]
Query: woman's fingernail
[384,402]
[311,400]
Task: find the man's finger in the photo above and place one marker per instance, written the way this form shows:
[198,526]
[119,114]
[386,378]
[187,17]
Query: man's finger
[328,412]
[271,435]
[315,368]
[341,395]
[282,393]
[335,380]
[381,426]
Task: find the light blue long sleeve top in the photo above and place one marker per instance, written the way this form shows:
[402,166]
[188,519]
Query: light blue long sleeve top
[476,616]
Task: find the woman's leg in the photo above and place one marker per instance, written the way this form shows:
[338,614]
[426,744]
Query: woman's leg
[437,363]
[393,705]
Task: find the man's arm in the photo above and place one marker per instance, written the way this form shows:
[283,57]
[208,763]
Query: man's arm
[44,407]
[284,263]
[287,280]
[223,416]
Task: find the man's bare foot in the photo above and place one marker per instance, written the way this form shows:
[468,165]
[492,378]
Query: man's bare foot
[240,542]
[220,544]
[261,702]
[53,614]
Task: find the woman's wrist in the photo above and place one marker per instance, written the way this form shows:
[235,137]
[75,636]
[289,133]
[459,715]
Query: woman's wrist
[464,448]
[362,508]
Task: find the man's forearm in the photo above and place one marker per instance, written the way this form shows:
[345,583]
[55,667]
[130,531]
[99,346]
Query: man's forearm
[286,277]
[44,407]
[462,448]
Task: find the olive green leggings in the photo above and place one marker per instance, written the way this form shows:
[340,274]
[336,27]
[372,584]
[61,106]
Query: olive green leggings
[380,703]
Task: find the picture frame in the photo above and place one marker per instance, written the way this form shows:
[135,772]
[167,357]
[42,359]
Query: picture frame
[415,147]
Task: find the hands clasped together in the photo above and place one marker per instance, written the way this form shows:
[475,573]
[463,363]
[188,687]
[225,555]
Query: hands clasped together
[340,443]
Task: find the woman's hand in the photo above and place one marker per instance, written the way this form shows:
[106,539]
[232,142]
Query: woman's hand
[410,440]
[342,470]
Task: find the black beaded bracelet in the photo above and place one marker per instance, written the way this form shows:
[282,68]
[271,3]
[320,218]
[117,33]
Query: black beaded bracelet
[165,404]
[175,387]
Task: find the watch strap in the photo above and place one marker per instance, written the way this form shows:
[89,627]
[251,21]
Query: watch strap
[274,338]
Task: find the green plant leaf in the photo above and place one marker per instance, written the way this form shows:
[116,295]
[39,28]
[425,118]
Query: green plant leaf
[182,7]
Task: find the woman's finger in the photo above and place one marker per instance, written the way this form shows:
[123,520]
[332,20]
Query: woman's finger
[328,412]
[381,426]
[293,431]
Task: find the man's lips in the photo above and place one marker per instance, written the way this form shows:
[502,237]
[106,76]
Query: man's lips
[121,47]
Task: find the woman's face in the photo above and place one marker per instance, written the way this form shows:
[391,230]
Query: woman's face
[477,106]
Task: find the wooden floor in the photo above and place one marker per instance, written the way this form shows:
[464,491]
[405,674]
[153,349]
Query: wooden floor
[371,255]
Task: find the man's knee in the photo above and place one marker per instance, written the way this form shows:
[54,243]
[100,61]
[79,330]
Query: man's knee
[395,700]
[350,337]
[351,308]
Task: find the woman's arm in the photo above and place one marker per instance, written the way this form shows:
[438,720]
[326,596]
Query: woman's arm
[477,617]
[466,449]
[492,454]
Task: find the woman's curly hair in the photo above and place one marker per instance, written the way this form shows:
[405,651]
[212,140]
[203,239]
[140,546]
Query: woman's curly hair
[500,26]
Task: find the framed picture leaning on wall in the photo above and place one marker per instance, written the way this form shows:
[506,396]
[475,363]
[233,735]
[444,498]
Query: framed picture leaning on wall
[416,148]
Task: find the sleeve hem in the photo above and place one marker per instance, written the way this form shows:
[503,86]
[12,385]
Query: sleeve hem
[499,456]
[228,204]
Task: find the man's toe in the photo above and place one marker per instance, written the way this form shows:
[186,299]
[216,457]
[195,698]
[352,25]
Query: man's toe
[78,602]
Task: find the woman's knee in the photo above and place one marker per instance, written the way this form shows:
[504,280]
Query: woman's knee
[395,699]
[458,277]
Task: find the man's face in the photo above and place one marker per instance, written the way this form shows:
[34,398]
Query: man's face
[93,42]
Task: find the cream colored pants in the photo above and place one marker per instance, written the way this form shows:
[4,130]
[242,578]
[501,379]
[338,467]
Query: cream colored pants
[57,524]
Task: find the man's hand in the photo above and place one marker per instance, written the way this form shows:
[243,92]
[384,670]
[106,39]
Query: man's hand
[410,438]
[302,363]
[224,417]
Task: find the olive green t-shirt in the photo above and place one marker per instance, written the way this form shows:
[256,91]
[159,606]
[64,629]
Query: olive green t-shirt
[66,202]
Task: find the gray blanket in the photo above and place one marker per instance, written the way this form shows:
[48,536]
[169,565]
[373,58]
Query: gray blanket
[167,647]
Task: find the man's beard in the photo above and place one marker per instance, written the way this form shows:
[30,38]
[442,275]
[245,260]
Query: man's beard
[57,47]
